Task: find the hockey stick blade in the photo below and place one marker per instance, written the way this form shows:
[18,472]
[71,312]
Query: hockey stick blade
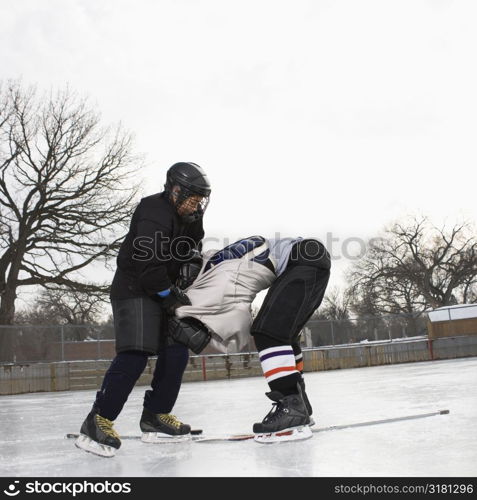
[245,437]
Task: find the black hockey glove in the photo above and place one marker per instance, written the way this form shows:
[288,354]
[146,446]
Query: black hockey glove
[190,332]
[175,299]
[189,270]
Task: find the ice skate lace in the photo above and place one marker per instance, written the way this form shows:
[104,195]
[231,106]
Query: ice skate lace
[171,420]
[106,426]
[275,412]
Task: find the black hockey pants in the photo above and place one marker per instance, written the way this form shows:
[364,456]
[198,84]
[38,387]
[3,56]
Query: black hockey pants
[295,295]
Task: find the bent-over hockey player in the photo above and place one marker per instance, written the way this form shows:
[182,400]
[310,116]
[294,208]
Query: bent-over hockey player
[163,229]
[298,271]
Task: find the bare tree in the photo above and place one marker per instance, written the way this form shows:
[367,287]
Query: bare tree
[414,266]
[57,306]
[66,192]
[60,306]
[336,305]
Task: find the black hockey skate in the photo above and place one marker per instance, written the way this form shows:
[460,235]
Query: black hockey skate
[162,428]
[287,421]
[98,436]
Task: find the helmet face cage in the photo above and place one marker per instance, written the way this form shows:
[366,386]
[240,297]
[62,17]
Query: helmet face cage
[183,195]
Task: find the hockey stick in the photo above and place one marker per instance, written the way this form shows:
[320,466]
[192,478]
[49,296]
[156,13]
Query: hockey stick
[196,433]
[383,421]
[245,437]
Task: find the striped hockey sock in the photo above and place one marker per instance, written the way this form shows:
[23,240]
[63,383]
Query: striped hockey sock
[279,368]
[299,362]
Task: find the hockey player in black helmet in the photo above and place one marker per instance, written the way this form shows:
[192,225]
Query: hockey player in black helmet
[164,235]
[189,189]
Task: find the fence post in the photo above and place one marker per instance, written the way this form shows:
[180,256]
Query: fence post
[98,340]
[332,333]
[431,348]
[62,333]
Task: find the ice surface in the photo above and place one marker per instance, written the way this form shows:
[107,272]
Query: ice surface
[33,426]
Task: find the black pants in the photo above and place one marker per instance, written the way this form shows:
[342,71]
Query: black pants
[125,370]
[295,294]
[140,330]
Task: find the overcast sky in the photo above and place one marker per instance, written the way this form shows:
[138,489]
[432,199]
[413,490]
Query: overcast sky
[313,118]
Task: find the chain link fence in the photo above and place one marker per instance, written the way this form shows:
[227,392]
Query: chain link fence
[43,343]
[40,343]
[389,328]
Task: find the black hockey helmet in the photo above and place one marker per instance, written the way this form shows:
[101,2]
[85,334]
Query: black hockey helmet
[192,181]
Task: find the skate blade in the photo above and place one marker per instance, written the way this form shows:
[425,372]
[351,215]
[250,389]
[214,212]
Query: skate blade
[87,444]
[160,437]
[290,434]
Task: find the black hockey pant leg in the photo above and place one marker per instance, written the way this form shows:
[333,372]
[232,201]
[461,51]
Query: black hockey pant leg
[315,298]
[167,379]
[290,302]
[118,382]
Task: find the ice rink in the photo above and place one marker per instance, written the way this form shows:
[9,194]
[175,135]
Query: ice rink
[33,426]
